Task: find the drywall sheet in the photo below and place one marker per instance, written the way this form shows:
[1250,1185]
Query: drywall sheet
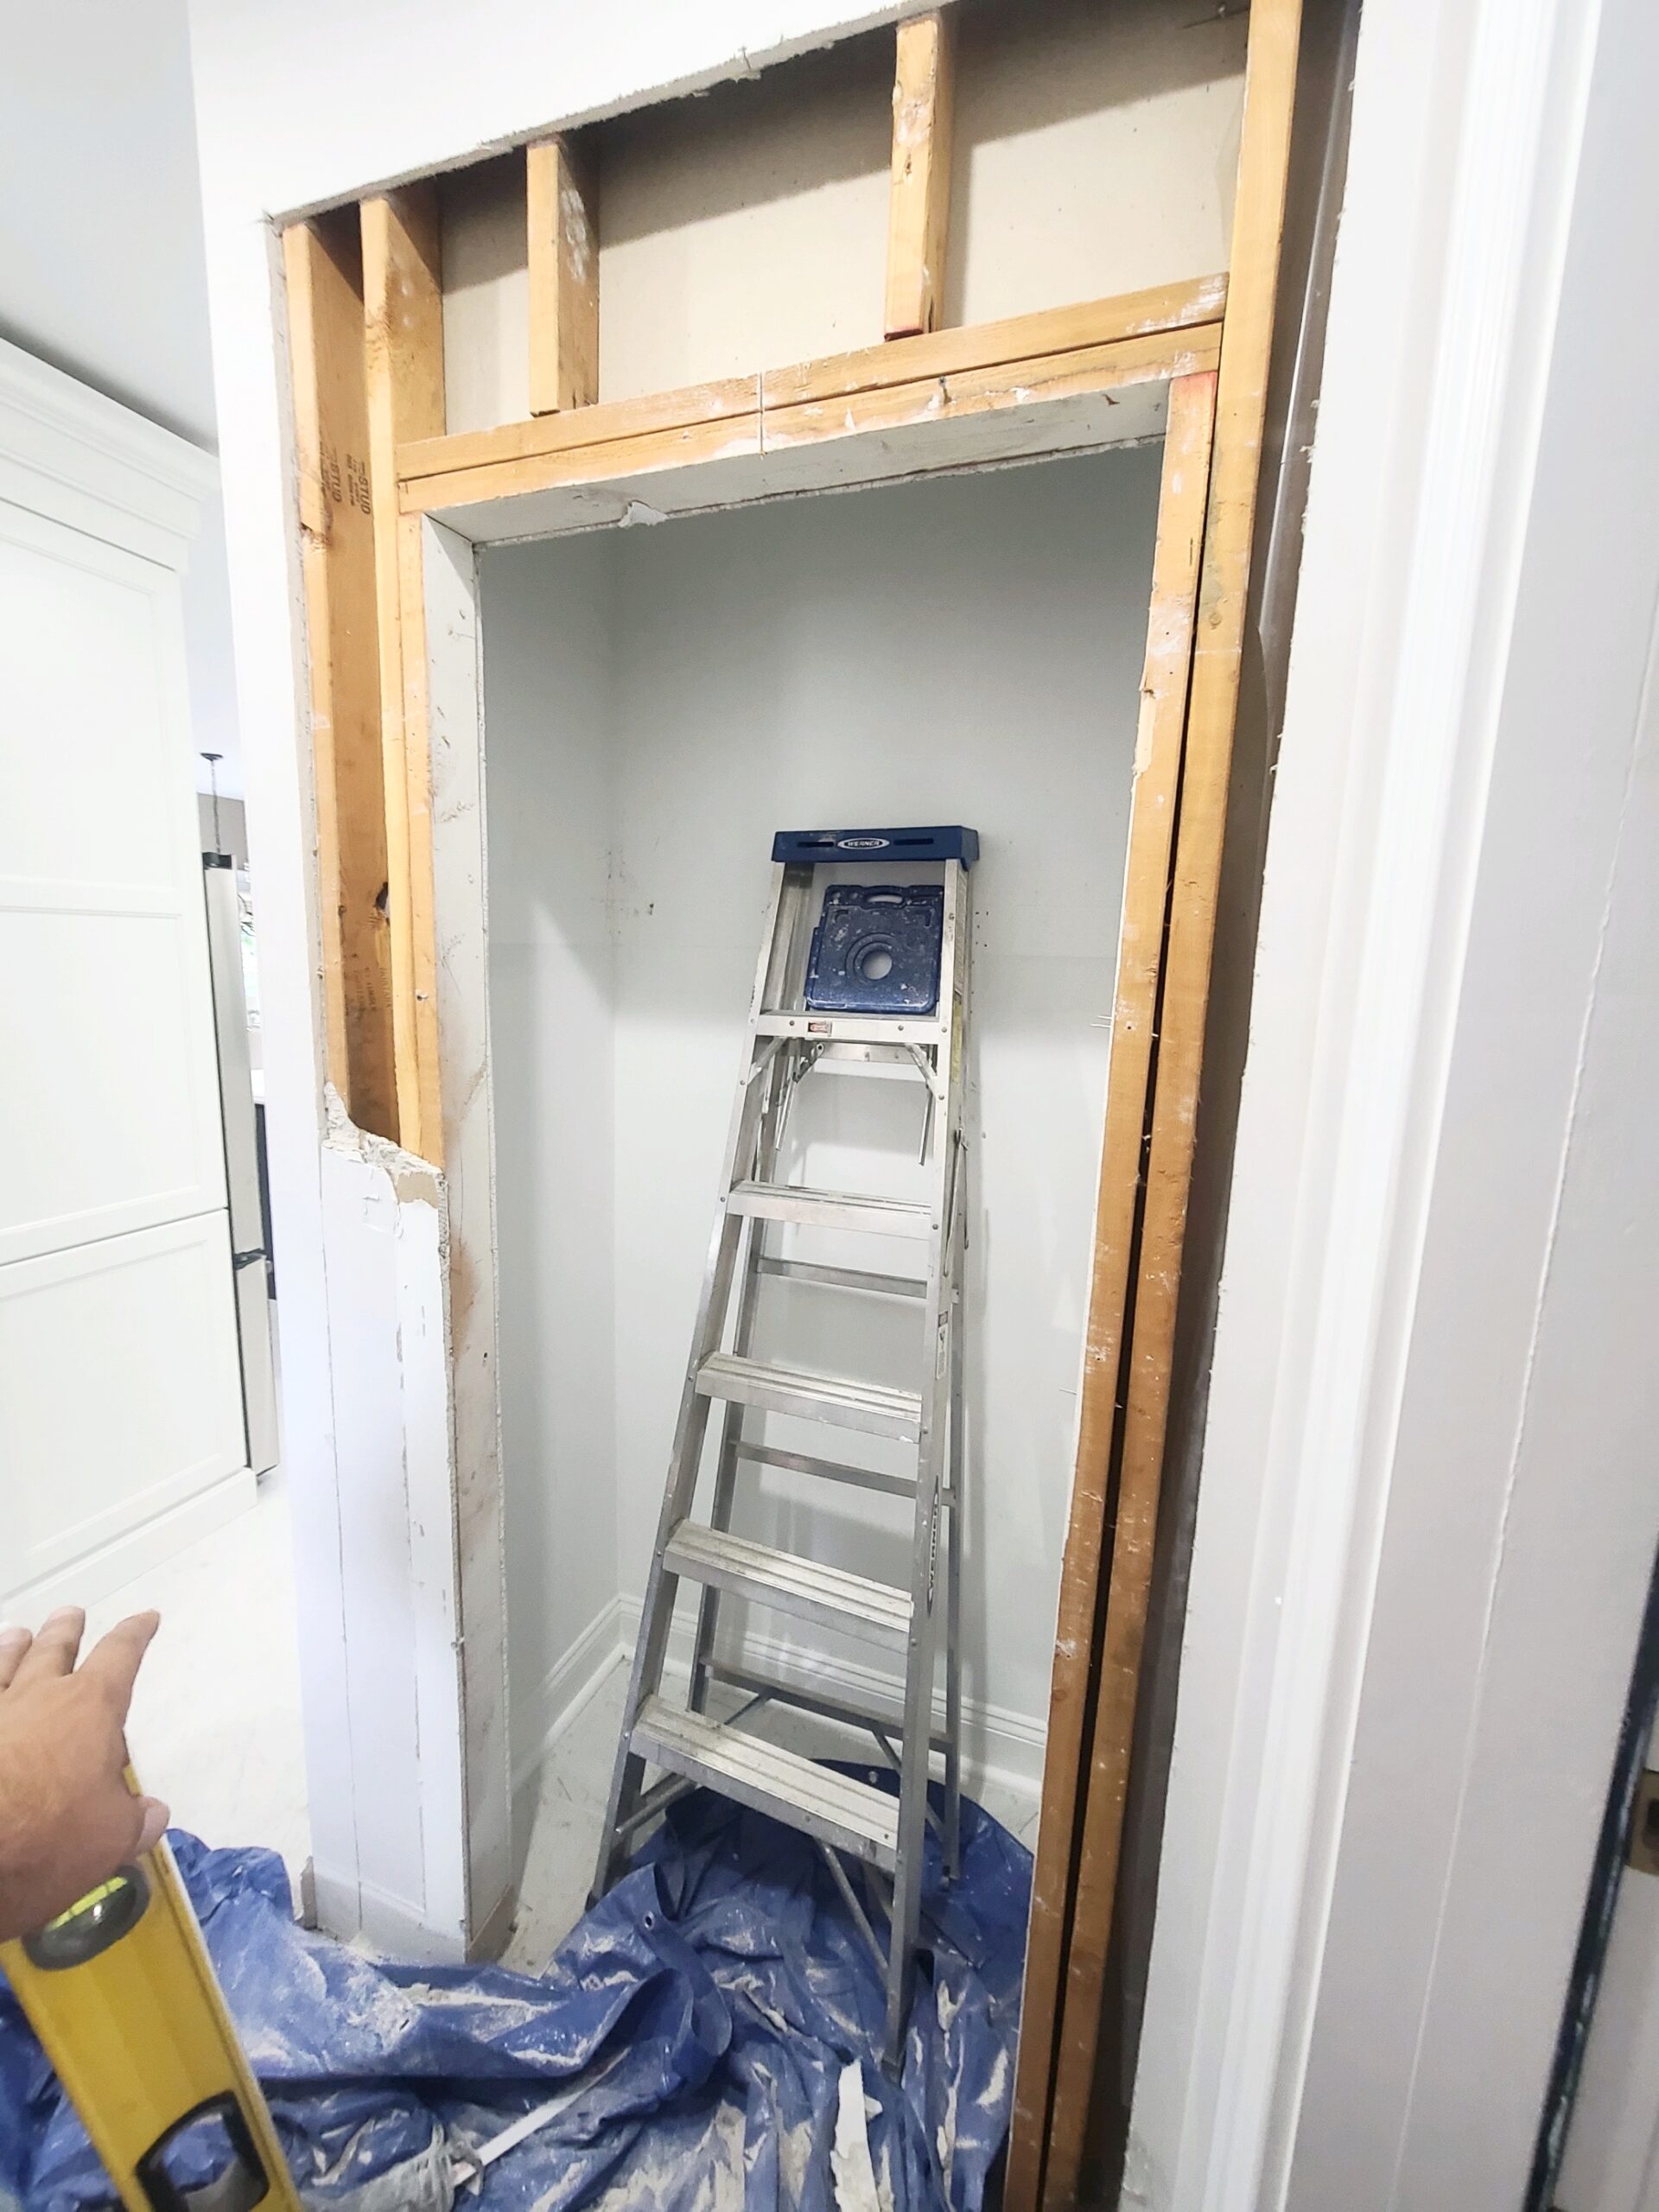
[658,702]
[1094,153]
[386,1256]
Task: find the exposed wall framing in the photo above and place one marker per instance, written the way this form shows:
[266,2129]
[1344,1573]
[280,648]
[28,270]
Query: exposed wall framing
[323,265]
[1080,1855]
[368,366]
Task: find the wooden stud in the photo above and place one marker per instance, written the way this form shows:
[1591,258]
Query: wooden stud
[325,316]
[561,216]
[403,333]
[918,205]
[1162,307]
[586,464]
[1241,409]
[1167,309]
[420,1073]
[548,434]
[711,436]
[1145,894]
[1011,383]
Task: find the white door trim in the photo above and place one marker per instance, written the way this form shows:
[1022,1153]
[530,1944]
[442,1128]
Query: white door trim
[66,451]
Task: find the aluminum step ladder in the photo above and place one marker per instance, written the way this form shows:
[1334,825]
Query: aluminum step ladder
[864,979]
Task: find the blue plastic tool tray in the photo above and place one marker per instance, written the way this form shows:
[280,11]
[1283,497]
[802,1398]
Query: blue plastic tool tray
[876,949]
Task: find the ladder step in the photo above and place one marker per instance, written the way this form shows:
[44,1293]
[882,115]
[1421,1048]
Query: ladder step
[869,1406]
[830,1209]
[847,1814]
[790,1585]
[854,1028]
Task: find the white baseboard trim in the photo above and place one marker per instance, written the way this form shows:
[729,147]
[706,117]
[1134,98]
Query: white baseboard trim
[571,1684]
[399,1930]
[999,1745]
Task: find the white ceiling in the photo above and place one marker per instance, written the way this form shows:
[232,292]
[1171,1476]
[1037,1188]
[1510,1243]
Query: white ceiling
[101,264]
[102,270]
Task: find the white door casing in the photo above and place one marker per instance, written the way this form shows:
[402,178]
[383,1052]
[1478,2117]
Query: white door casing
[1429,1515]
[121,1418]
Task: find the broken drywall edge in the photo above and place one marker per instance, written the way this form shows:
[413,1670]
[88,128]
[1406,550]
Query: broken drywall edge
[739,66]
[412,1179]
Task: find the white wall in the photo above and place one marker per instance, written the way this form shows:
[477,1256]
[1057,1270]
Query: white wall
[550,792]
[968,650]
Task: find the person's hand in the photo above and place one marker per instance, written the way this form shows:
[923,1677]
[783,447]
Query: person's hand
[67,1819]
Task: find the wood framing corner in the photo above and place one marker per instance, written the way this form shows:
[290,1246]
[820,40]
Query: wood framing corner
[561,222]
[918,210]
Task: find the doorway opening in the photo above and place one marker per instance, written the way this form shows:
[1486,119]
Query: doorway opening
[657,704]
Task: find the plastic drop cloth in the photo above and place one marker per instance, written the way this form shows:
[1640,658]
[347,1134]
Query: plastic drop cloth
[707,2036]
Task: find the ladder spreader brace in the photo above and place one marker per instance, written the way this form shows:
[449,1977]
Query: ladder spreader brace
[869,976]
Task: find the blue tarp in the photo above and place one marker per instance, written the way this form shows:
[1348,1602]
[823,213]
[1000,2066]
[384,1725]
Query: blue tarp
[694,2032]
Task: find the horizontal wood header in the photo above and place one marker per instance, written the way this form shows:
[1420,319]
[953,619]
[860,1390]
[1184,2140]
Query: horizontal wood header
[1140,337]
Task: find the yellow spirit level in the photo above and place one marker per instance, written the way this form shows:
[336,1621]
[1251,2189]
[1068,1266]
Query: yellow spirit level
[122,1994]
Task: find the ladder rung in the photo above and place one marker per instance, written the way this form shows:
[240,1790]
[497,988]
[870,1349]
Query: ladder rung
[832,1471]
[830,1209]
[869,1406]
[854,1028]
[838,1810]
[843,1278]
[804,1587]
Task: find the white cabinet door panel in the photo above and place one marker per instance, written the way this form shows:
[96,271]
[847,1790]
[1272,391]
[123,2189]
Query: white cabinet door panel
[122,1431]
[89,677]
[109,1108]
[119,1390]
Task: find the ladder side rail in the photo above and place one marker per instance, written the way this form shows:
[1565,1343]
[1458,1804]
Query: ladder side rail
[732,1435]
[788,979]
[963,1069]
[905,1917]
[754,1090]
[776,933]
[953,1521]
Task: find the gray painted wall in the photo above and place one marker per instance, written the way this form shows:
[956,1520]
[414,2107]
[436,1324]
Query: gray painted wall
[658,702]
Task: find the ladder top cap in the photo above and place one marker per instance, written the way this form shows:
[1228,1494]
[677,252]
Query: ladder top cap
[811,847]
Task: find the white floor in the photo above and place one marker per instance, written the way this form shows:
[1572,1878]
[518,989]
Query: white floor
[215,1725]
